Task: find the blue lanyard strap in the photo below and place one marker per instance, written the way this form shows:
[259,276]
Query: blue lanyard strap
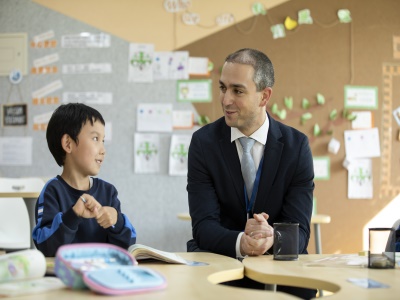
[250,203]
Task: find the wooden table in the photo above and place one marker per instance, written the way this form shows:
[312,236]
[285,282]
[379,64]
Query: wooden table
[316,220]
[330,278]
[183,282]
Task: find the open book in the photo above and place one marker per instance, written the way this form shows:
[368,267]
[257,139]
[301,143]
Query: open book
[142,252]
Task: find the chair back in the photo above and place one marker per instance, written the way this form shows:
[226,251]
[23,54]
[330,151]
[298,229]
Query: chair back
[392,236]
[14,225]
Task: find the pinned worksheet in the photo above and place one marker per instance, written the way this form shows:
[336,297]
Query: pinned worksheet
[362,143]
[360,185]
[178,154]
[147,153]
[154,117]
[15,151]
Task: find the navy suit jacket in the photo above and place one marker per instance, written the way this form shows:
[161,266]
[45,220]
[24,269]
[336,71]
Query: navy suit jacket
[216,187]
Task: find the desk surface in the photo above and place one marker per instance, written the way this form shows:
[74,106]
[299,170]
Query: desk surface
[19,195]
[334,279]
[183,282]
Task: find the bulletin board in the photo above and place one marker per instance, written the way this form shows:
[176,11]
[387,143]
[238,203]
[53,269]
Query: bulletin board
[322,58]
[157,196]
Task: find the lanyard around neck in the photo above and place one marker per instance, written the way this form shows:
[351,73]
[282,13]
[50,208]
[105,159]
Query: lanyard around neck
[250,203]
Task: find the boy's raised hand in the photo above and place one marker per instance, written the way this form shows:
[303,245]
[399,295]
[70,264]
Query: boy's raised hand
[86,207]
[107,216]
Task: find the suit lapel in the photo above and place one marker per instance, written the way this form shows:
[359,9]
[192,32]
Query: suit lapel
[272,157]
[231,158]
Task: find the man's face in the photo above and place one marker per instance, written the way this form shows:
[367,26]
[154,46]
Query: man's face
[243,106]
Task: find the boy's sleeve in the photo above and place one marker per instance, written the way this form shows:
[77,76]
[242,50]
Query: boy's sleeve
[53,227]
[123,233]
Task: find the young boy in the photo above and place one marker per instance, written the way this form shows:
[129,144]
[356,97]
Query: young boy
[75,207]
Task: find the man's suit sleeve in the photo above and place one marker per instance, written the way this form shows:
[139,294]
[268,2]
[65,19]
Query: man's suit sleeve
[299,196]
[204,206]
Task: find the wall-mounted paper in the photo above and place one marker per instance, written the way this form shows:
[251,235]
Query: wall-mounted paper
[362,143]
[361,97]
[360,179]
[147,153]
[141,57]
[88,97]
[43,36]
[154,117]
[322,167]
[363,120]
[178,154]
[47,89]
[396,115]
[16,151]
[179,68]
[162,65]
[198,66]
[194,90]
[182,119]
[91,68]
[86,40]
[46,60]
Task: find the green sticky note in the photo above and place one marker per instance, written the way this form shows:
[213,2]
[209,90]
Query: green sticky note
[317,130]
[282,114]
[306,116]
[274,108]
[333,115]
[305,103]
[320,99]
[351,117]
[289,102]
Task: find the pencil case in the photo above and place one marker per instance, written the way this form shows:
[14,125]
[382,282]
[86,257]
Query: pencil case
[75,259]
[105,269]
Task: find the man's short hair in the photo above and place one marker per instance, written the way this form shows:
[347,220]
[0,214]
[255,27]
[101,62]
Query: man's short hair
[263,69]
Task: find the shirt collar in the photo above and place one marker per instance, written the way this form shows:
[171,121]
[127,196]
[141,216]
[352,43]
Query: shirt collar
[260,135]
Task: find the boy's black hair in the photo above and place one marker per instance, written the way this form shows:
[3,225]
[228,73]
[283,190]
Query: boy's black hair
[68,119]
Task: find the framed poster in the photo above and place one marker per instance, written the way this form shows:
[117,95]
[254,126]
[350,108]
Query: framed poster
[322,167]
[198,90]
[361,97]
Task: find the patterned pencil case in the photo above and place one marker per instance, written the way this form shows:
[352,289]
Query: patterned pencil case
[75,259]
[105,269]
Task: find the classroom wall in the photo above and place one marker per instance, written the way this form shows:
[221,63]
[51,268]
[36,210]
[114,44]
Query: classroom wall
[151,201]
[323,57]
[315,58]
[144,21]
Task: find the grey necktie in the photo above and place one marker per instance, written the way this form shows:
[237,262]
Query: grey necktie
[248,167]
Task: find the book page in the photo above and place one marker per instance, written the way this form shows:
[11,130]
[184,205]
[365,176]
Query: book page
[141,252]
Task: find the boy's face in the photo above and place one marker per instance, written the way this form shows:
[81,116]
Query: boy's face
[88,155]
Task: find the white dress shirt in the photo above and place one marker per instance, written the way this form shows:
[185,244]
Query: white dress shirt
[260,135]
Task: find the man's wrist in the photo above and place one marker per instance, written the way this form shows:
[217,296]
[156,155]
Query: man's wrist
[239,246]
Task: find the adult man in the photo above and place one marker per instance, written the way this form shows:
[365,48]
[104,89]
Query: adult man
[227,218]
